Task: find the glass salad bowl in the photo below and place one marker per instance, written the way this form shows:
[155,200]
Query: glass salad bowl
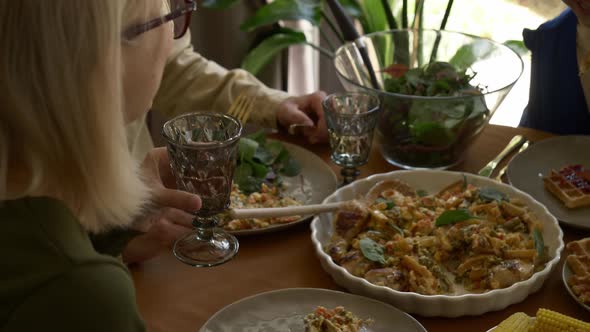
[438,90]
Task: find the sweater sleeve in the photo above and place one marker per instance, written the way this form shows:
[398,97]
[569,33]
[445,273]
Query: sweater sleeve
[193,83]
[94,298]
[112,243]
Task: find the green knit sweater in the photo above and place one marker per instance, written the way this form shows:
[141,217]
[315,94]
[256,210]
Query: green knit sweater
[51,277]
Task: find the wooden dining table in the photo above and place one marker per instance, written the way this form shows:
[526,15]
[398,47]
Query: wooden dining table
[173,296]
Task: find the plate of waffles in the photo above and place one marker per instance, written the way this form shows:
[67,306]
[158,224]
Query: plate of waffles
[556,172]
[576,271]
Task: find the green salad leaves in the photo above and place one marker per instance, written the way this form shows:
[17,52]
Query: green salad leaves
[262,161]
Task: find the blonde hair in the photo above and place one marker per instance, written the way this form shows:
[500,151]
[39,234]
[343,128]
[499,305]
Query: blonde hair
[61,117]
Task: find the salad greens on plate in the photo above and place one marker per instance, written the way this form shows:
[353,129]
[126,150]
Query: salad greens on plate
[262,161]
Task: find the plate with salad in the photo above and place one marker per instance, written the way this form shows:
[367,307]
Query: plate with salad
[271,173]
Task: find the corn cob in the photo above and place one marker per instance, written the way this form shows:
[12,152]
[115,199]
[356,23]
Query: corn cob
[551,321]
[517,322]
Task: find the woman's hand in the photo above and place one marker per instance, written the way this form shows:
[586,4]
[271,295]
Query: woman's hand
[306,110]
[168,220]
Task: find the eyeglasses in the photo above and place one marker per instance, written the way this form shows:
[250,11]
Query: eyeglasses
[180,14]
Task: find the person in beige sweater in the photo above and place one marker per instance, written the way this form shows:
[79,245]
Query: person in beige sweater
[192,83]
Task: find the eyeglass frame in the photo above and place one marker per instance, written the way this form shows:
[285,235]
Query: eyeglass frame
[139,29]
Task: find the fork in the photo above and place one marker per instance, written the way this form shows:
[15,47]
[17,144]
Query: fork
[502,171]
[241,108]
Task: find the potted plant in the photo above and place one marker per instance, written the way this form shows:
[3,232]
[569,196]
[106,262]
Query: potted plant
[371,15]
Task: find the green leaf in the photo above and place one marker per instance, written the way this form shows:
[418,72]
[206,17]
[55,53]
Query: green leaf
[375,19]
[396,228]
[490,194]
[250,184]
[257,58]
[432,133]
[247,148]
[276,148]
[259,170]
[372,250]
[352,8]
[218,4]
[291,167]
[258,136]
[264,156]
[453,216]
[422,193]
[466,55]
[242,174]
[539,243]
[284,10]
[389,204]
[517,46]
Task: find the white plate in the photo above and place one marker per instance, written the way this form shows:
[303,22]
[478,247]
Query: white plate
[284,310]
[438,305]
[319,182]
[565,275]
[527,169]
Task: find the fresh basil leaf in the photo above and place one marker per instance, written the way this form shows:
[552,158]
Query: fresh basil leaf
[539,243]
[283,156]
[242,171]
[389,204]
[259,170]
[258,136]
[247,148]
[263,156]
[250,184]
[291,167]
[453,216]
[372,250]
[276,148]
[491,194]
[421,193]
[396,228]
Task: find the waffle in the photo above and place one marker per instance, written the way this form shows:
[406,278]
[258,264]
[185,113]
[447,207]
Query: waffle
[571,185]
[579,263]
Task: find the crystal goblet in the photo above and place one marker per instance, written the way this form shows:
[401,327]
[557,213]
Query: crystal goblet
[351,118]
[203,148]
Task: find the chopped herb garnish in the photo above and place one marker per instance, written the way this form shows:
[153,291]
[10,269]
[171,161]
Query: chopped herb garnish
[388,203]
[422,193]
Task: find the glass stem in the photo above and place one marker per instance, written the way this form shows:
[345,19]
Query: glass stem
[349,174]
[204,226]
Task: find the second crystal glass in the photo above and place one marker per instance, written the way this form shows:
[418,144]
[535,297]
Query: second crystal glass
[351,119]
[203,148]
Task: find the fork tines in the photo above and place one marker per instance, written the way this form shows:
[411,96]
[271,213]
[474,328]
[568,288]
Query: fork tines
[241,108]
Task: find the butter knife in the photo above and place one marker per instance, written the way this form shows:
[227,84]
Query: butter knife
[503,170]
[514,143]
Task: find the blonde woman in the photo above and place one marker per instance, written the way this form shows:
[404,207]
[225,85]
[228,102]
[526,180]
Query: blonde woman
[190,82]
[65,168]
